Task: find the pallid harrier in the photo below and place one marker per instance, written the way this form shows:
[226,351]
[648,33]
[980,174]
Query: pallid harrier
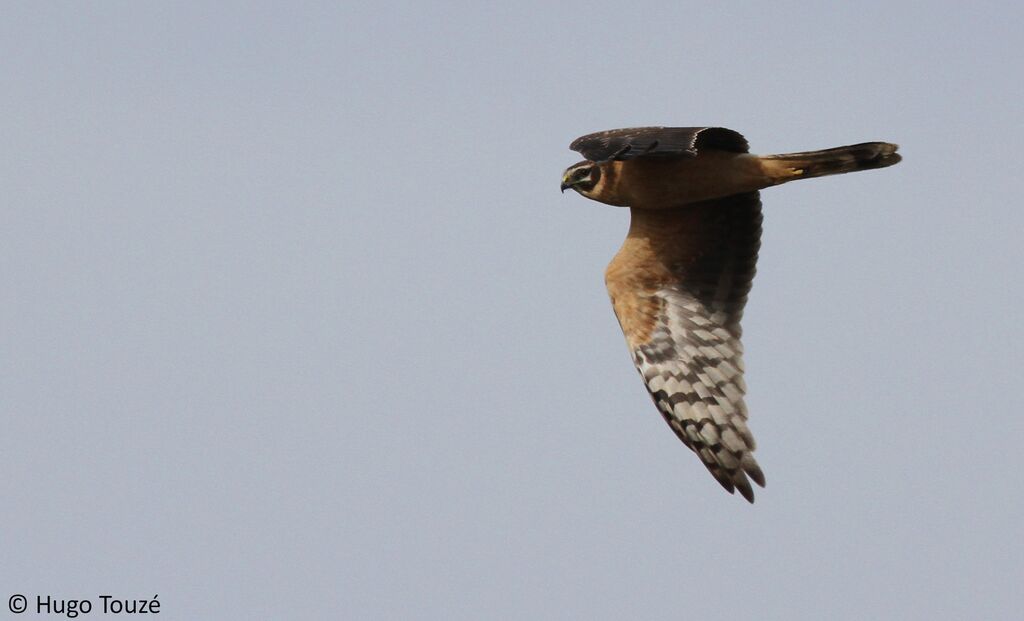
[681,278]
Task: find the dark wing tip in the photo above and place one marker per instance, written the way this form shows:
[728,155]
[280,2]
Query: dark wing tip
[633,142]
[733,481]
[743,485]
[753,470]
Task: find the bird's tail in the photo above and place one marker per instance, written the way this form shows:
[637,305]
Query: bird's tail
[865,156]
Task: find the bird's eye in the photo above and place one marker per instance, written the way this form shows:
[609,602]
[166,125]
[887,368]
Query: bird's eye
[582,173]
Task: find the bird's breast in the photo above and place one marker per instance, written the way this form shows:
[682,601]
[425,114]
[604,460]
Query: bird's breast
[660,183]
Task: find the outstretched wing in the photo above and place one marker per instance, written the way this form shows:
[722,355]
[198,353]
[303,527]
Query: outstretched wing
[679,288]
[624,144]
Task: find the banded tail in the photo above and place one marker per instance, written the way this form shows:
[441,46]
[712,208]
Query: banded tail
[865,156]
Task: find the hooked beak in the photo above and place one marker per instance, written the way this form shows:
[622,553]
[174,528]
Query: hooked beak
[565,186]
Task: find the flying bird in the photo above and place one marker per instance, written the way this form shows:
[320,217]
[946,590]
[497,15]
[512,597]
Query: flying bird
[680,281]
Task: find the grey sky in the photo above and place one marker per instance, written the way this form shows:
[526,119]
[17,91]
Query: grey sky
[296,324]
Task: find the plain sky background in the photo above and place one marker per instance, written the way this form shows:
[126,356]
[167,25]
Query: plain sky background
[296,324]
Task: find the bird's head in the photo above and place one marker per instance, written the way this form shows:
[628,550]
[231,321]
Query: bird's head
[581,177]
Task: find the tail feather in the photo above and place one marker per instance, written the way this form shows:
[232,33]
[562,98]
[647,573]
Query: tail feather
[865,156]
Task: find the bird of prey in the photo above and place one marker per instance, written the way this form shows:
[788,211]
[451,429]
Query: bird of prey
[679,283]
